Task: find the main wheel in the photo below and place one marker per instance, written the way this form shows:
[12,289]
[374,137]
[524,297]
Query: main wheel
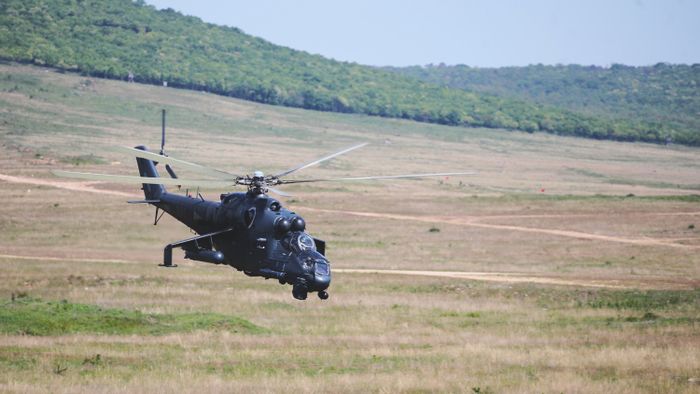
[299,292]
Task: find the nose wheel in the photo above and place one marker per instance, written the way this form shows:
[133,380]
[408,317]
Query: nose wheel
[323,295]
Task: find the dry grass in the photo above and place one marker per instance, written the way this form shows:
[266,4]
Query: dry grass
[377,333]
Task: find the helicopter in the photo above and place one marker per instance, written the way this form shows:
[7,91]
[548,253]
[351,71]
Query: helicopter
[249,231]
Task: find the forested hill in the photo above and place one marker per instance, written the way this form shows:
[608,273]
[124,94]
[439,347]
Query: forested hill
[110,38]
[663,93]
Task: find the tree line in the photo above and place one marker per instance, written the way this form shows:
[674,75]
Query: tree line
[112,38]
[665,95]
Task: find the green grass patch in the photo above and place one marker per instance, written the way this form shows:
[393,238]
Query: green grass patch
[312,367]
[83,160]
[29,316]
[16,359]
[556,321]
[8,81]
[686,198]
[642,300]
[474,315]
[634,182]
[635,300]
[526,197]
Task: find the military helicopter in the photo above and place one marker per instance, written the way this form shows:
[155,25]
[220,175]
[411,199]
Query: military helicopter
[249,231]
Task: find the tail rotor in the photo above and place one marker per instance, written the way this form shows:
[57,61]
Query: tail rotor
[162,149]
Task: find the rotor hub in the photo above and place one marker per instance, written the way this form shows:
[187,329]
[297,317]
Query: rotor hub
[259,182]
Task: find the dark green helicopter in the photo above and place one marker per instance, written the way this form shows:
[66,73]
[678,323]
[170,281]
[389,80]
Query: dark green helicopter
[249,231]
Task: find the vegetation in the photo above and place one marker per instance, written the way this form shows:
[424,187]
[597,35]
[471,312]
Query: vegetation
[29,316]
[377,333]
[114,38]
[663,94]
[645,300]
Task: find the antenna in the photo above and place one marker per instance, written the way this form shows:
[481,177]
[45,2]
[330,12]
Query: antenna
[162,138]
[162,148]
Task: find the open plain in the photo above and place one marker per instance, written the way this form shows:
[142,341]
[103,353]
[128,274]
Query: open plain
[563,265]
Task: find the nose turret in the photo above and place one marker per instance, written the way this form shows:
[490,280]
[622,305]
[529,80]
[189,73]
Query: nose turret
[322,277]
[308,269]
[315,274]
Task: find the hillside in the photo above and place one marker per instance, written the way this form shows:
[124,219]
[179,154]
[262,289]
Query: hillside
[562,265]
[112,38]
[663,93]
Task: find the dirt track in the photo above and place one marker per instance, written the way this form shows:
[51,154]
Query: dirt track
[473,221]
[470,221]
[511,277]
[75,186]
[499,277]
[54,258]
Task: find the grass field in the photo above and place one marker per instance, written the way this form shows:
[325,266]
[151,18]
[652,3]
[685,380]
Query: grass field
[588,251]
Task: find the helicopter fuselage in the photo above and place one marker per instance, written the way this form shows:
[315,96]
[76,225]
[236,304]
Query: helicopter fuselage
[251,232]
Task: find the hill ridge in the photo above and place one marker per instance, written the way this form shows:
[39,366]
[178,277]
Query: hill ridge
[662,93]
[113,38]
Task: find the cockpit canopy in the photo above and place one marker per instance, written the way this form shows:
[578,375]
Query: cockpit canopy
[299,242]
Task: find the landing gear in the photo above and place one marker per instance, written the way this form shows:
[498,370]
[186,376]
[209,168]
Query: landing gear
[299,290]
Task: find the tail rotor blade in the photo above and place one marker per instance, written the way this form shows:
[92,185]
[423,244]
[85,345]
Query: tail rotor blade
[170,171]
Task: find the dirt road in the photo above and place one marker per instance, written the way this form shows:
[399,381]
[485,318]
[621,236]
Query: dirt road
[470,221]
[75,186]
[499,277]
[474,221]
[512,277]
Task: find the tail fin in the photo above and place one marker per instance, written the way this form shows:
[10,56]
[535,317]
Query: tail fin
[147,168]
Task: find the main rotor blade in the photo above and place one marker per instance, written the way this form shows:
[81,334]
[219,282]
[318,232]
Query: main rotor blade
[367,178]
[312,163]
[144,154]
[147,180]
[279,192]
